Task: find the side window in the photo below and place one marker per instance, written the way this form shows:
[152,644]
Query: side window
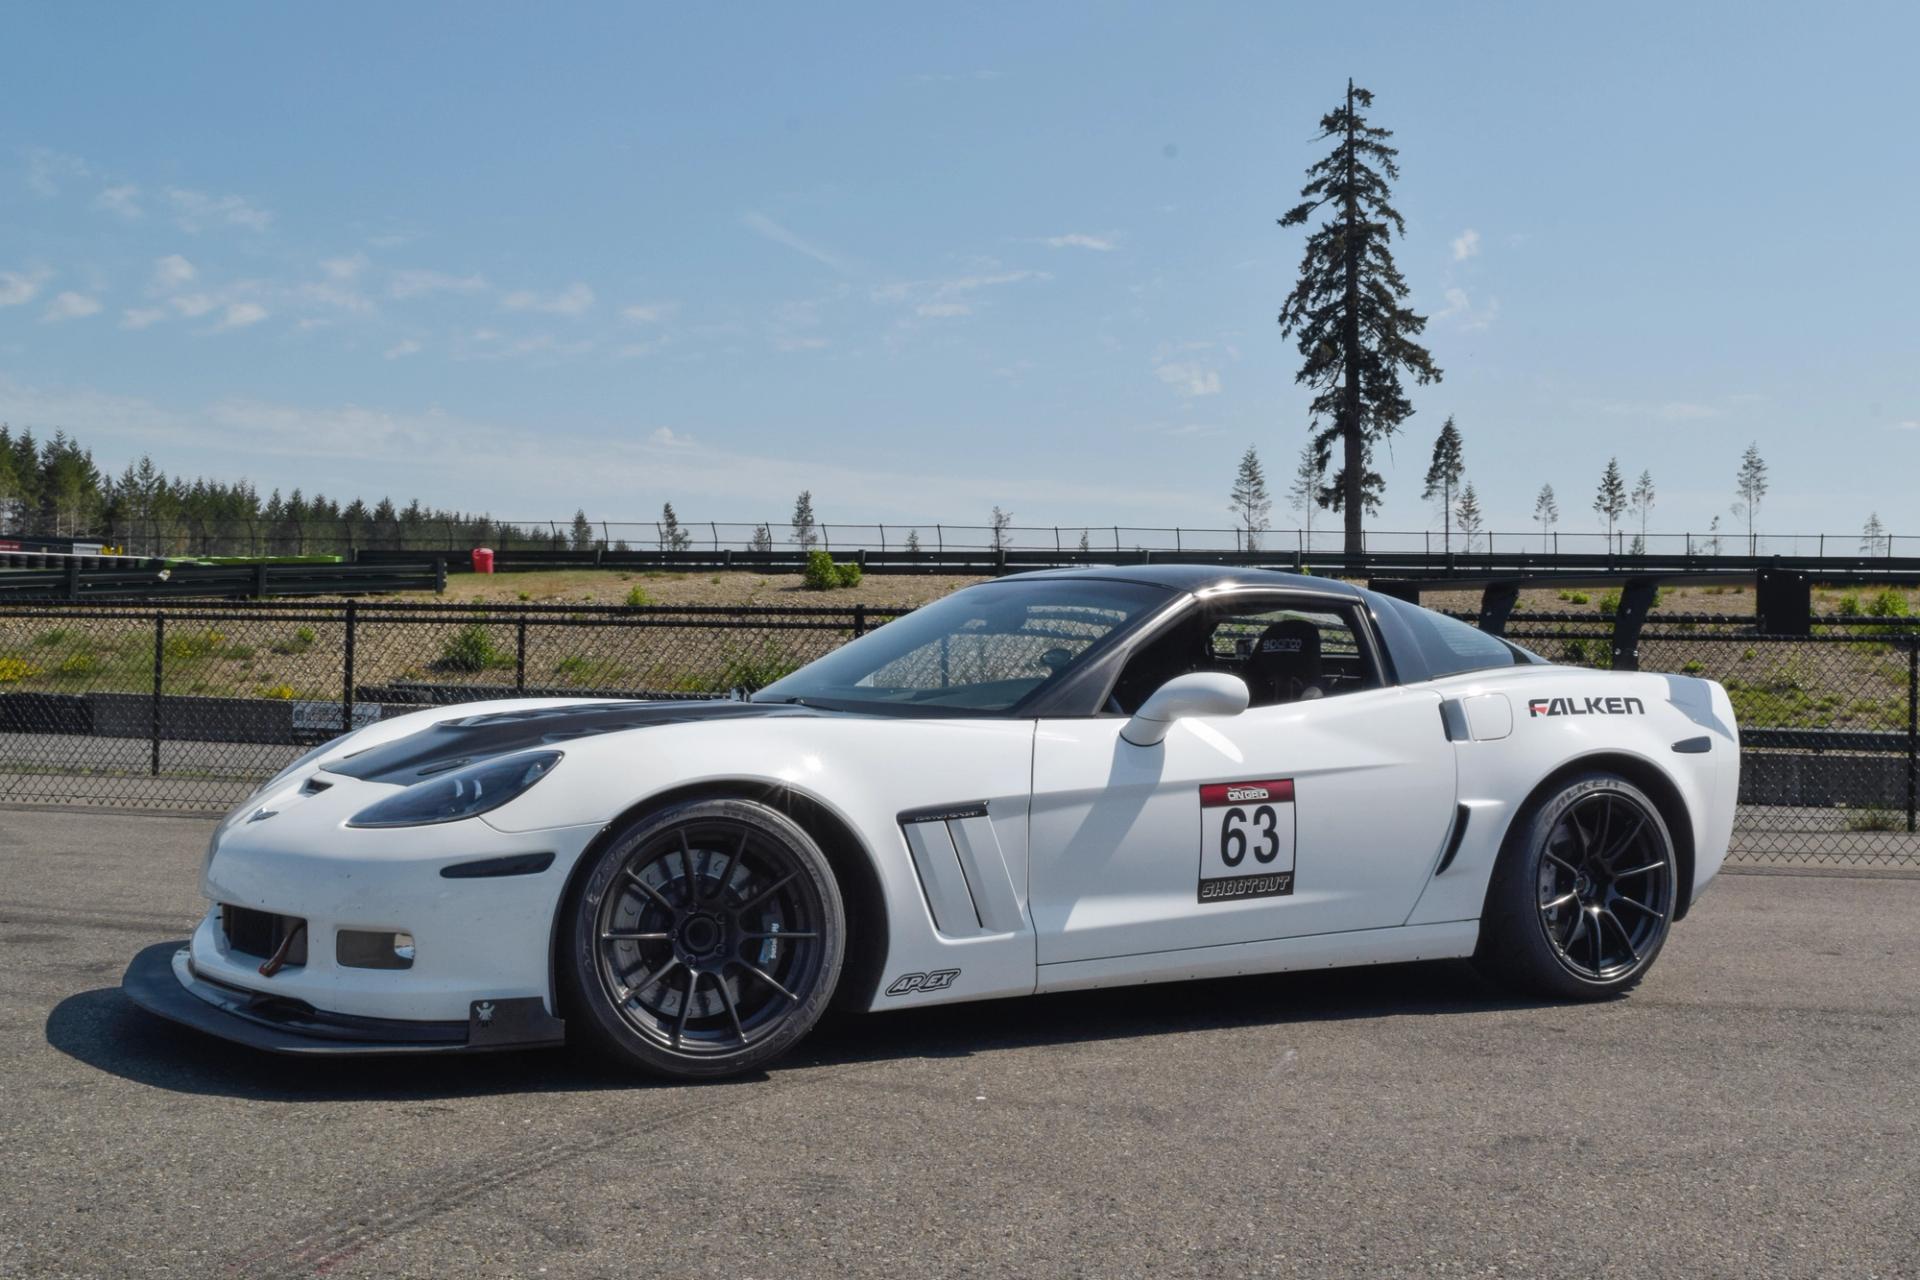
[1451,647]
[1285,651]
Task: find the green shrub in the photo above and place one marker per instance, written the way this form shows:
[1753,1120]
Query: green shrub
[1849,606]
[754,668]
[470,649]
[1875,820]
[299,642]
[822,574]
[1888,604]
[47,639]
[847,575]
[194,644]
[1693,666]
[637,596]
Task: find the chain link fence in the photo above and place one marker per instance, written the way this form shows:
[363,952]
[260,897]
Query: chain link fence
[189,708]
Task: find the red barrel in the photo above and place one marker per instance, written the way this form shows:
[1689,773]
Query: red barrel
[483,559]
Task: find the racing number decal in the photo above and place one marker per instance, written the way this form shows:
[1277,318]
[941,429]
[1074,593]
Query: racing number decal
[1246,840]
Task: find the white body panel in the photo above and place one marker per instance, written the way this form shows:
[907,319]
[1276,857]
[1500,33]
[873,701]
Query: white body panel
[1082,871]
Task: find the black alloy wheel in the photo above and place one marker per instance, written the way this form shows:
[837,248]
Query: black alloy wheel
[707,939]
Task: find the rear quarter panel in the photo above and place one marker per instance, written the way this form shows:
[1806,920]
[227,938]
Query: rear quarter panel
[1529,722]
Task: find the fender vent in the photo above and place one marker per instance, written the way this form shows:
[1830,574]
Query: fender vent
[1460,816]
[962,871]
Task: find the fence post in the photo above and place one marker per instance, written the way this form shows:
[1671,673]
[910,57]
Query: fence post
[346,676]
[1913,731]
[159,676]
[859,621]
[520,656]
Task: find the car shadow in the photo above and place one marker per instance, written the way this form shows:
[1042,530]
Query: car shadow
[106,1031]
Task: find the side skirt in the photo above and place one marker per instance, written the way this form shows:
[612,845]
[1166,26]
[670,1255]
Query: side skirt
[1450,940]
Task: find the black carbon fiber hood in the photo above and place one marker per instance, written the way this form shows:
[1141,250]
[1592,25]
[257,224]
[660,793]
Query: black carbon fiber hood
[451,744]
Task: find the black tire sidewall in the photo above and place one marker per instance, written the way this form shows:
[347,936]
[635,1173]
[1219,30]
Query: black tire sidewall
[1514,946]
[589,1004]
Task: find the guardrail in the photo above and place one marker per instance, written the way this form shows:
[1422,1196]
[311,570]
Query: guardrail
[76,581]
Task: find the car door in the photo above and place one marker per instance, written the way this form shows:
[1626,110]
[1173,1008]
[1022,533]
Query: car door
[1321,808]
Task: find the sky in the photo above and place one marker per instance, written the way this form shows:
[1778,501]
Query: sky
[927,260]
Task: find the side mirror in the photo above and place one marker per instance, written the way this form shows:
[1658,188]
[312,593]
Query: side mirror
[1198,693]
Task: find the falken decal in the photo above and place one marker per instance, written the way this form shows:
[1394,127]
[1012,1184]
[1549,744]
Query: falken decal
[1585,707]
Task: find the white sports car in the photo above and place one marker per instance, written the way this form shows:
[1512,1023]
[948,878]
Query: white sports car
[1050,781]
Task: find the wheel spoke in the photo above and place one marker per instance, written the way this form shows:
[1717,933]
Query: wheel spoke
[727,866]
[767,892]
[635,937]
[1624,935]
[733,1010]
[672,963]
[686,1006]
[1561,862]
[1599,955]
[767,978]
[686,869]
[782,933]
[1640,871]
[1560,901]
[652,892]
[1641,906]
[1626,842]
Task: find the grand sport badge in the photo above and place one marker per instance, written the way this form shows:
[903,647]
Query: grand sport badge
[1246,840]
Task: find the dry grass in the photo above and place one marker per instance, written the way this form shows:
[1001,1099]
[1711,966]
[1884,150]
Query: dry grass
[612,586]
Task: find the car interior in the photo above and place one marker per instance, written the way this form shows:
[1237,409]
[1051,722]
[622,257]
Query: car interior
[1285,653]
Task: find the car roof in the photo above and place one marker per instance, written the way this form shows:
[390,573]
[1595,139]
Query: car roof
[1199,577]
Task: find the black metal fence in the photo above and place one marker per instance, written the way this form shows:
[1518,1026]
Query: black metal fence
[190,707]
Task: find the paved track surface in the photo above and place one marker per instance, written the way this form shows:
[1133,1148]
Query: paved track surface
[1754,1110]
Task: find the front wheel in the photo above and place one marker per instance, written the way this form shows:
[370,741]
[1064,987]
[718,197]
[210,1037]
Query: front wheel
[705,939]
[1583,895]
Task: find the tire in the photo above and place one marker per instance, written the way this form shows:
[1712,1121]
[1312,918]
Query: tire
[704,941]
[1583,894]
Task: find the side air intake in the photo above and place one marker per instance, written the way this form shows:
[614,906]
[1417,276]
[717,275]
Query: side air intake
[962,871]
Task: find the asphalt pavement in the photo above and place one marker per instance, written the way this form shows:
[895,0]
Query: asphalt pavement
[1752,1110]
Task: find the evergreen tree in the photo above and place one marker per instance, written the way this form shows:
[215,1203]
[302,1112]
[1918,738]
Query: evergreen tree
[1086,546]
[672,536]
[1002,522]
[580,536]
[1303,495]
[1348,313]
[1610,500]
[1443,477]
[804,529]
[1641,500]
[1469,515]
[762,539]
[913,541]
[1873,535]
[1750,483]
[1248,500]
[1546,511]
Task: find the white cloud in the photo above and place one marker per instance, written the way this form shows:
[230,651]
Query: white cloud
[761,225]
[346,267]
[415,283]
[1684,411]
[141,317]
[576,299]
[70,306]
[48,171]
[670,438]
[240,315]
[1078,240]
[405,347]
[1189,377]
[788,342]
[20,287]
[1461,311]
[1466,245]
[192,304]
[650,312]
[123,200]
[1907,424]
[197,210]
[942,310]
[172,273]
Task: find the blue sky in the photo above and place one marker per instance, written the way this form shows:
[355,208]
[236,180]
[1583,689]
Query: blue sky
[926,260]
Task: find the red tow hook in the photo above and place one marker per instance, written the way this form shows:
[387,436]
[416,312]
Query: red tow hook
[278,960]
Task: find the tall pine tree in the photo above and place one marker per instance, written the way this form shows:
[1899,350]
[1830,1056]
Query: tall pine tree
[1443,477]
[1348,313]
[1610,499]
[1248,499]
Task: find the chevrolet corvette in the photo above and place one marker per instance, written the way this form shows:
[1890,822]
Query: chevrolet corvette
[1057,780]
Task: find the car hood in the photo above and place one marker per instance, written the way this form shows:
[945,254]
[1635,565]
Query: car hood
[453,744]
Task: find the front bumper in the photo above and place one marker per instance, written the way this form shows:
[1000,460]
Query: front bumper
[162,980]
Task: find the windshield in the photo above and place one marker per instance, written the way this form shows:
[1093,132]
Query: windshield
[982,650]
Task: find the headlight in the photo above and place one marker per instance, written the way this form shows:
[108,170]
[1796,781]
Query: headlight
[464,793]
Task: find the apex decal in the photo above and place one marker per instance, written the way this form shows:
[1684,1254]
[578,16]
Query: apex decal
[1586,707]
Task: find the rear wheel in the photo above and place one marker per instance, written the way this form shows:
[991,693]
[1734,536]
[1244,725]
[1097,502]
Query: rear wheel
[1584,892]
[705,940]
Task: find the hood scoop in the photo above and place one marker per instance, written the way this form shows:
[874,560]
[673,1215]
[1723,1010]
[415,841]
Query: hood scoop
[454,744]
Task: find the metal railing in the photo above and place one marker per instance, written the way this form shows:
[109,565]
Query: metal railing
[189,707]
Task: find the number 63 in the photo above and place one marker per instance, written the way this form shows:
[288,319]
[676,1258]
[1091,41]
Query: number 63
[1233,835]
